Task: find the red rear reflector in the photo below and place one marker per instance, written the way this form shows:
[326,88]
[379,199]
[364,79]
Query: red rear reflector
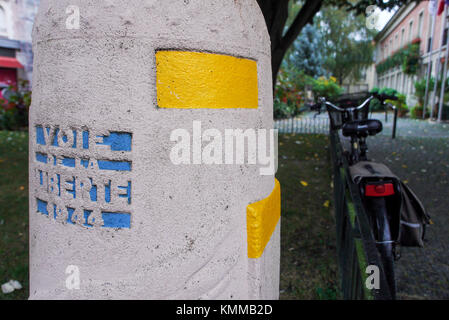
[379,190]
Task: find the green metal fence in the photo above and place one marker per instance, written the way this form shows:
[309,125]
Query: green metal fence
[356,246]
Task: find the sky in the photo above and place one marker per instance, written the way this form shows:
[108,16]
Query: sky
[384,17]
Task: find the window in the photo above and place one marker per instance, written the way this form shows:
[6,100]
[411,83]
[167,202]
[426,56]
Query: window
[3,28]
[410,31]
[420,22]
[429,42]
[396,43]
[445,37]
[402,37]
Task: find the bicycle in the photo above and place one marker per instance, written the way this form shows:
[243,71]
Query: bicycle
[380,196]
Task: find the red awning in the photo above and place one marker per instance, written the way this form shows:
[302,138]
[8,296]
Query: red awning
[8,62]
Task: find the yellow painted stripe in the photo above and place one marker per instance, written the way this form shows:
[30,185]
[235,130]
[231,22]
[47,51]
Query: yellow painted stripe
[261,220]
[193,80]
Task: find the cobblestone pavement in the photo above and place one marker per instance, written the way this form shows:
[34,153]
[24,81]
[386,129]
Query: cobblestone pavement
[413,128]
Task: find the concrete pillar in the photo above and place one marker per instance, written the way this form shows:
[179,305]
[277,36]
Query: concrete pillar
[112,102]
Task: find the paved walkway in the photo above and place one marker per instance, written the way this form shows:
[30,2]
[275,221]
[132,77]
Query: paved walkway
[413,128]
[424,164]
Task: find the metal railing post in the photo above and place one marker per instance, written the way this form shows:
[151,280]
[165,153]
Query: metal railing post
[394,123]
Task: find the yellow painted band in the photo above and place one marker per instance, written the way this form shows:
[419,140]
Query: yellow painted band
[261,220]
[195,80]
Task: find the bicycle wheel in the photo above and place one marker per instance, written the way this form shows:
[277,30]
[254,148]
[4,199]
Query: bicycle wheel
[377,211]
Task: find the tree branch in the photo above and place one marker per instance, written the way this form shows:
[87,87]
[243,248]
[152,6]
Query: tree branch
[305,16]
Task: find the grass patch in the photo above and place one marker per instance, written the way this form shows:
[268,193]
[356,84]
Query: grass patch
[308,241]
[14,211]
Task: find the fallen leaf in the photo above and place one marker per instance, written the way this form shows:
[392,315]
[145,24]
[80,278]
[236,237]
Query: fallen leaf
[326,204]
[305,184]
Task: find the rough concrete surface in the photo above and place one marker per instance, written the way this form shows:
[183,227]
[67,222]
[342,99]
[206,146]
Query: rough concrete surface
[187,223]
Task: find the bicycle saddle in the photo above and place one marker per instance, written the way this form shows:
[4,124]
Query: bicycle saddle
[362,128]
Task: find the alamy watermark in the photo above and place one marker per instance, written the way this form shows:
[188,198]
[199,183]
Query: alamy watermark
[72,21]
[73,280]
[214,147]
[373,280]
[372,17]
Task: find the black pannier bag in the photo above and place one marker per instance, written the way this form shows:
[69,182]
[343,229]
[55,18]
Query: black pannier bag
[408,217]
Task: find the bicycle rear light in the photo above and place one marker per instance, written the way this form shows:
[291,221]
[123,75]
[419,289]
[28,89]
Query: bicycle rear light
[379,190]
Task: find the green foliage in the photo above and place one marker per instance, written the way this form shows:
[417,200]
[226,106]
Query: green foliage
[400,104]
[348,43]
[416,112]
[14,111]
[282,110]
[388,91]
[420,88]
[385,90]
[376,106]
[411,59]
[327,88]
[393,61]
[408,58]
[327,294]
[289,92]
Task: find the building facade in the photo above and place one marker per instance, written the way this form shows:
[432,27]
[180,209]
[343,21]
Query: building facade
[16,23]
[412,23]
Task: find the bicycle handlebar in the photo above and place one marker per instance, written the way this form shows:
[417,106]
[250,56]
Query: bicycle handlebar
[381,97]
